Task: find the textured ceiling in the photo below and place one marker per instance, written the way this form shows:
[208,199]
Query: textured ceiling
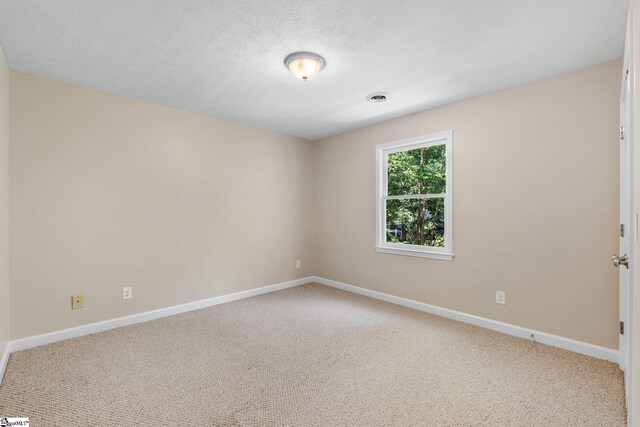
[225,57]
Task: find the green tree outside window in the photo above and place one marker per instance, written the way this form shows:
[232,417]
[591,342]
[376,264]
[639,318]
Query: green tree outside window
[420,220]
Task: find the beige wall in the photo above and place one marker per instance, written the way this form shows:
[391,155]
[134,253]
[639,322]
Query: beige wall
[4,204]
[535,207]
[108,191]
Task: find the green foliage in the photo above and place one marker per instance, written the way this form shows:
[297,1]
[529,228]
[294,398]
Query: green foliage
[420,171]
[416,221]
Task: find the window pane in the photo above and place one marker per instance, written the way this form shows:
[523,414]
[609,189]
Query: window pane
[416,221]
[419,171]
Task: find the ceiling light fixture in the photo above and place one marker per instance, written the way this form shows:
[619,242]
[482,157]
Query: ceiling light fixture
[377,97]
[304,65]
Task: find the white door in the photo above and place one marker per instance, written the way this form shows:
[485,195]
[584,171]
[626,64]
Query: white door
[627,220]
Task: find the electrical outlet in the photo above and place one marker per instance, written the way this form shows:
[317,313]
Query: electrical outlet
[298,263]
[77,301]
[501,297]
[127,293]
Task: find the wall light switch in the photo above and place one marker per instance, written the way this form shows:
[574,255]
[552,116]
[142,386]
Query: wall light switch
[127,293]
[77,301]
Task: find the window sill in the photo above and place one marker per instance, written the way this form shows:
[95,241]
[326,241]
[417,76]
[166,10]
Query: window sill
[412,252]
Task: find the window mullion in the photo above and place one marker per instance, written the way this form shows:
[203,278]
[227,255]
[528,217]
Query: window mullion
[415,196]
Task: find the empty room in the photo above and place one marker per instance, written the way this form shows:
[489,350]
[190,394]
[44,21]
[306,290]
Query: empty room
[335,213]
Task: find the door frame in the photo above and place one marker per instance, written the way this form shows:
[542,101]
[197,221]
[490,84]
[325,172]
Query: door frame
[628,214]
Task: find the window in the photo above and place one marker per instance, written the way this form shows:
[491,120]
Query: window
[414,197]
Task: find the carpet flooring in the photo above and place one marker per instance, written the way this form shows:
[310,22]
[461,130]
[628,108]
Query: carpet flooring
[309,356]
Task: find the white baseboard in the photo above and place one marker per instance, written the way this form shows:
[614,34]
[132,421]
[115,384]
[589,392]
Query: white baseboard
[51,337]
[4,359]
[506,328]
[541,337]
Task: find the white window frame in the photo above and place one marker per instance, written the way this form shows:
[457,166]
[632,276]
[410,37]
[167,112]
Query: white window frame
[382,154]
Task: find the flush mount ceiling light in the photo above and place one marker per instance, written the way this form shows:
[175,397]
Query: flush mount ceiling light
[378,97]
[304,65]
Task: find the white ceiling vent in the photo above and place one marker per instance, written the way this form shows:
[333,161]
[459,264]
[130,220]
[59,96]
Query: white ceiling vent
[378,97]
